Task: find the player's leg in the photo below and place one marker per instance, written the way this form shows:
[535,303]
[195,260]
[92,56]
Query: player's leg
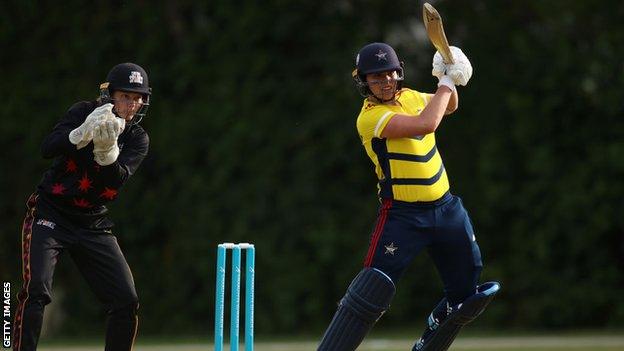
[446,321]
[457,257]
[42,243]
[370,293]
[455,251]
[104,266]
[367,298]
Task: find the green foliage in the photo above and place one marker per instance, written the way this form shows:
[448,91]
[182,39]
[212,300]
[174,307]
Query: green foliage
[253,138]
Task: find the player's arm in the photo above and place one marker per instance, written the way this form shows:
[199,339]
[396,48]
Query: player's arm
[57,142]
[401,126]
[460,72]
[453,103]
[132,154]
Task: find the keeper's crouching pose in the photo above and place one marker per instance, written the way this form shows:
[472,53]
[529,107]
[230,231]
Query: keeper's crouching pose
[396,126]
[96,147]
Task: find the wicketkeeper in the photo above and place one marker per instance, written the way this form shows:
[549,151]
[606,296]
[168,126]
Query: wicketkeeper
[418,211]
[96,147]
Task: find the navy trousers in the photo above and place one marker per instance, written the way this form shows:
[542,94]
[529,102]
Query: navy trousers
[442,227]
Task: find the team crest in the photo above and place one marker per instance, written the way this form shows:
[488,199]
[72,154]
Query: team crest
[136,77]
[381,55]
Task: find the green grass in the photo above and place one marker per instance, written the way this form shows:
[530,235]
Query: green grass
[598,342]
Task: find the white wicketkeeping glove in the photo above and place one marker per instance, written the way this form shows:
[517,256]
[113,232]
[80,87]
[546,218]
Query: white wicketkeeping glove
[105,148]
[83,135]
[461,70]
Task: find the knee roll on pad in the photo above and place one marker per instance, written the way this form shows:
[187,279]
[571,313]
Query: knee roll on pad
[367,298]
[369,294]
[476,304]
[444,334]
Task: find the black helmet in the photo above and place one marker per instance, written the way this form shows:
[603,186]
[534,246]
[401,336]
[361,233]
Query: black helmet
[374,58]
[128,77]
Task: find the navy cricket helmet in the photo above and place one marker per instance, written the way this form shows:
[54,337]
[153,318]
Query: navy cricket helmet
[374,58]
[128,77]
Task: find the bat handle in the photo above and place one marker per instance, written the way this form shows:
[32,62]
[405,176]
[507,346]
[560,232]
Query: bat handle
[447,57]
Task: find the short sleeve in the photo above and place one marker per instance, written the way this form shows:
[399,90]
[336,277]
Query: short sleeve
[372,121]
[427,97]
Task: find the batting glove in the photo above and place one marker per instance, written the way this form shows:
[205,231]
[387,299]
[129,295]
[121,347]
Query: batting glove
[446,81]
[461,70]
[439,67]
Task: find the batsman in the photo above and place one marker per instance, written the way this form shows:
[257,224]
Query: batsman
[417,210]
[96,146]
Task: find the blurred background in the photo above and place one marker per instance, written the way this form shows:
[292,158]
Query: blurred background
[253,139]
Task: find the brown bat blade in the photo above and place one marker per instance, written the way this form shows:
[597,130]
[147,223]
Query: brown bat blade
[435,30]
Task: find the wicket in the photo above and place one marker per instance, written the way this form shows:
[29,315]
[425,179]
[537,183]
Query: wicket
[235,295]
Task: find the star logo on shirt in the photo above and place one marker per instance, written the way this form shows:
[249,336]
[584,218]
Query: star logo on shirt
[82,203]
[381,55]
[58,189]
[390,249]
[70,166]
[84,184]
[109,193]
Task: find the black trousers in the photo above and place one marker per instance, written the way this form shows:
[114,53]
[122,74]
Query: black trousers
[101,262]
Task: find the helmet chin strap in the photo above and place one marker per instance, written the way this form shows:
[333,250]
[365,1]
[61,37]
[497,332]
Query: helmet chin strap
[138,115]
[395,90]
[383,101]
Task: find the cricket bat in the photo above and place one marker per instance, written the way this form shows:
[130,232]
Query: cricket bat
[435,31]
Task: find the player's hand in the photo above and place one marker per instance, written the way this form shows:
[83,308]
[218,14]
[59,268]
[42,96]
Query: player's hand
[439,67]
[446,81]
[82,135]
[461,70]
[105,148]
[118,123]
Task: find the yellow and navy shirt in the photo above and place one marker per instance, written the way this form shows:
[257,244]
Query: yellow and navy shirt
[408,169]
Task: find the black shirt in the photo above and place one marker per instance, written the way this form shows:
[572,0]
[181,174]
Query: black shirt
[75,187]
